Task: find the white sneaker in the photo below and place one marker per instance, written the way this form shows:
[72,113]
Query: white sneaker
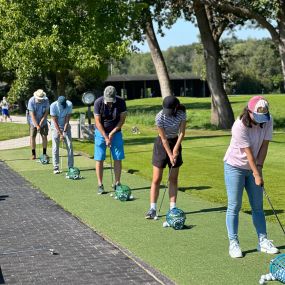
[56,170]
[266,245]
[234,249]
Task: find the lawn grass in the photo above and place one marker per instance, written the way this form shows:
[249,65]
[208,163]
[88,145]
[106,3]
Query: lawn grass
[12,130]
[142,112]
[197,255]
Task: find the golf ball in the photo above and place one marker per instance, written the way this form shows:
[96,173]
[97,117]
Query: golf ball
[111,195]
[268,277]
[131,197]
[165,225]
[156,218]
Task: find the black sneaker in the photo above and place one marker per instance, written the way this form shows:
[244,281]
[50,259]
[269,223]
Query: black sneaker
[151,214]
[117,185]
[100,189]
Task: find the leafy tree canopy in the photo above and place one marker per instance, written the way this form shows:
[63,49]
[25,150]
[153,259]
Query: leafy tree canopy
[40,36]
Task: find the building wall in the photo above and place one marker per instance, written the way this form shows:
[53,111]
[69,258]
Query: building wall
[136,89]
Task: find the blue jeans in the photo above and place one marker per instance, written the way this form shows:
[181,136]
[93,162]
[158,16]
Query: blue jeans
[236,179]
[55,147]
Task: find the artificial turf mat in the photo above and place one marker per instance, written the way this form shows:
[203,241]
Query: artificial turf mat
[196,255]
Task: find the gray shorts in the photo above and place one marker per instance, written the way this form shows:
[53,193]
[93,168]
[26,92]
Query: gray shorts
[43,131]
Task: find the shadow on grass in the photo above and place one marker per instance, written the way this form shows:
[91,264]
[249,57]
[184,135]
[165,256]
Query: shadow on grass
[141,188]
[132,171]
[183,189]
[87,169]
[255,250]
[3,197]
[267,212]
[219,209]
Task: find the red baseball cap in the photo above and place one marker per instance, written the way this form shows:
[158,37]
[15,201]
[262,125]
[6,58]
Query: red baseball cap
[259,107]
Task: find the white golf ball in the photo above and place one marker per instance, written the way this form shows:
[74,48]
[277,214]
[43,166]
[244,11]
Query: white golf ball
[131,197]
[165,225]
[268,277]
[156,218]
[116,197]
[111,195]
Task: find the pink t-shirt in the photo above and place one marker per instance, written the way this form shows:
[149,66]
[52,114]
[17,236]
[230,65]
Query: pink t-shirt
[243,137]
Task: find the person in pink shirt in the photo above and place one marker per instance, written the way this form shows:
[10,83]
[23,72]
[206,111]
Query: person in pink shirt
[243,163]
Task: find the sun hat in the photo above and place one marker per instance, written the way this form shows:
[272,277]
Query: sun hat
[40,95]
[259,107]
[169,104]
[110,94]
[62,101]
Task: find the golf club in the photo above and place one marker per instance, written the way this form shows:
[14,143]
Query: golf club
[39,143]
[166,186]
[111,168]
[62,147]
[273,209]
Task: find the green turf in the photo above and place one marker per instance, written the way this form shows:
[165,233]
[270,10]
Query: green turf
[12,130]
[202,172]
[195,255]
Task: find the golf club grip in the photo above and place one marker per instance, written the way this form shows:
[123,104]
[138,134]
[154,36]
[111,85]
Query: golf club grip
[268,199]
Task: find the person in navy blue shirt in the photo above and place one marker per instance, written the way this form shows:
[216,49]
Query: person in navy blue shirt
[110,113]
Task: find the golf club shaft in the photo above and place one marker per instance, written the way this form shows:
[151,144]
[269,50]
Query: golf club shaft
[61,155]
[111,167]
[39,144]
[273,210]
[166,186]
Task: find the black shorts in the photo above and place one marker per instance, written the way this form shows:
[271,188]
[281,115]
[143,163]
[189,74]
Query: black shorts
[160,158]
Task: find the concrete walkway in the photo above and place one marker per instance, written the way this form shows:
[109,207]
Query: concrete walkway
[25,141]
[43,244]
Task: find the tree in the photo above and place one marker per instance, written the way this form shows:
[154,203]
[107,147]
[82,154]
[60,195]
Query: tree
[269,14]
[157,57]
[39,37]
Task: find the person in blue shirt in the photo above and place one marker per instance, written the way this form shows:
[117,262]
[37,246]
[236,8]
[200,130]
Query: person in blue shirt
[60,112]
[38,107]
[110,113]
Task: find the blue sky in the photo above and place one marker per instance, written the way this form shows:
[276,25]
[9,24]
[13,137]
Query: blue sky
[185,33]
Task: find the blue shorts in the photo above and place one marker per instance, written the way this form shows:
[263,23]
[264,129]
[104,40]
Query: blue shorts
[5,112]
[117,146]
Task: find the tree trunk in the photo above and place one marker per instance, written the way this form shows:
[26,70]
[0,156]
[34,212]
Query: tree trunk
[221,112]
[157,58]
[60,83]
[281,45]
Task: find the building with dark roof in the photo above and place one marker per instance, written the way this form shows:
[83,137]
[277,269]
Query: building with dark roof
[144,86]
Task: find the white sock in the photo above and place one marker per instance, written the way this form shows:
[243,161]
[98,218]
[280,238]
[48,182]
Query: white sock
[153,206]
[172,205]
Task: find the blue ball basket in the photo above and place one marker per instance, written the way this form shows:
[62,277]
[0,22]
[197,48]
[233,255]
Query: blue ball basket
[277,268]
[176,218]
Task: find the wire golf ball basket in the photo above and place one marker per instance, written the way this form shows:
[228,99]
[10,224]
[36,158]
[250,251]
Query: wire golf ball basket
[176,218]
[123,192]
[277,268]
